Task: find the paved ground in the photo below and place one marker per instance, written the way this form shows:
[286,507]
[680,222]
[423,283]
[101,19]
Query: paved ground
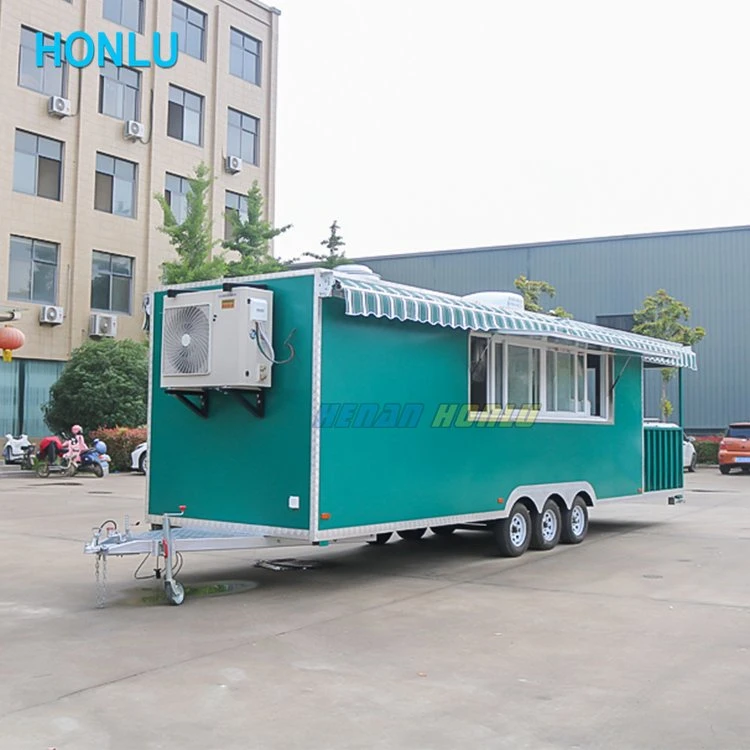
[639,638]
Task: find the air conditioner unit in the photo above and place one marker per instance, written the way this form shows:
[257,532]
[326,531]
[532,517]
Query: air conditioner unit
[51,315]
[234,164]
[102,325]
[134,130]
[58,106]
[215,339]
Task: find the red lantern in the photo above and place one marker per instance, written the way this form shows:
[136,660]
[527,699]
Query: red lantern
[10,339]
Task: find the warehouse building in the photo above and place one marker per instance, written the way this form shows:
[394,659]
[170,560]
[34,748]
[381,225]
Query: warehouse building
[604,280]
[84,150]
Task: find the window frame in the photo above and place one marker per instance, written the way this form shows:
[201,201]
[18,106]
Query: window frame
[119,21]
[204,30]
[258,55]
[110,273]
[183,106]
[37,155]
[497,388]
[48,39]
[112,176]
[168,193]
[256,135]
[227,208]
[123,86]
[32,267]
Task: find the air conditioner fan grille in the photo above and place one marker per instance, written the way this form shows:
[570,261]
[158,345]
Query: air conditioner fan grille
[186,341]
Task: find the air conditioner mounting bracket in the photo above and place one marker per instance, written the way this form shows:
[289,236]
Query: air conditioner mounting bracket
[256,404]
[200,408]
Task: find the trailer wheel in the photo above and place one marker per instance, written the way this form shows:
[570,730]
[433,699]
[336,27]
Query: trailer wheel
[546,527]
[443,530]
[175,592]
[575,522]
[412,535]
[381,538]
[513,534]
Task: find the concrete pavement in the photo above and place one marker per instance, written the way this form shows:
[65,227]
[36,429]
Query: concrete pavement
[638,638]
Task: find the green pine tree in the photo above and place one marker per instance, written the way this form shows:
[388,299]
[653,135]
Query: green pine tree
[192,238]
[251,237]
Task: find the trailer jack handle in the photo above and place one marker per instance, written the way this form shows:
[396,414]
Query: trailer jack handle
[174,590]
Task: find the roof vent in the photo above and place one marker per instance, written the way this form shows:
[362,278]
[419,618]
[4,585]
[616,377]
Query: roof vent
[508,300]
[358,270]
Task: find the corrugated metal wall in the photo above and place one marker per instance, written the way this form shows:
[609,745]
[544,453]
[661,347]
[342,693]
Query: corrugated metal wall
[709,270]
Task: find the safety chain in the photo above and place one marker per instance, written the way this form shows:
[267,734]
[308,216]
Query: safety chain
[101,585]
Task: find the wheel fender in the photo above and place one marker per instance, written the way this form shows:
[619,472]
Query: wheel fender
[538,493]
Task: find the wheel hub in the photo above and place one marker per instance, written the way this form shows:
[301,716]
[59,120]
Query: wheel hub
[518,530]
[549,526]
[577,521]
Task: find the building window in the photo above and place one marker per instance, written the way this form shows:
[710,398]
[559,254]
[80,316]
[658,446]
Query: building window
[48,80]
[561,383]
[185,116]
[119,92]
[190,25]
[128,13]
[236,204]
[243,136]
[37,168]
[244,56]
[175,191]
[114,191]
[111,282]
[33,270]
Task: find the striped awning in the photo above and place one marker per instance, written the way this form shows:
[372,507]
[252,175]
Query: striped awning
[383,299]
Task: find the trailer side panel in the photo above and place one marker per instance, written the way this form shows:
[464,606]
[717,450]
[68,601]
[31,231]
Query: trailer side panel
[396,468]
[234,466]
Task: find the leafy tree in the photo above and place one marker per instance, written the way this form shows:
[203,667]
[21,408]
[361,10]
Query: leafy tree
[664,317]
[105,384]
[333,257]
[193,237]
[532,292]
[251,238]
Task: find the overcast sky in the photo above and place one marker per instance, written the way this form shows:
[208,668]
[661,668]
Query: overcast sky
[427,125]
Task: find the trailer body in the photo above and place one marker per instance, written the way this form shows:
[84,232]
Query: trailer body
[371,427]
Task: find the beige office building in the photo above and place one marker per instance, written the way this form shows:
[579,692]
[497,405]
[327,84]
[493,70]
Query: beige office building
[84,150]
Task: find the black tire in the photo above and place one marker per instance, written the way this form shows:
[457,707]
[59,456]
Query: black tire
[725,468]
[98,471]
[42,469]
[381,538]
[575,522]
[546,527]
[693,463]
[513,534]
[412,535]
[443,530]
[143,463]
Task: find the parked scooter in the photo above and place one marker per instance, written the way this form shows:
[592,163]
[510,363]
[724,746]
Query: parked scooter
[63,455]
[19,451]
[92,459]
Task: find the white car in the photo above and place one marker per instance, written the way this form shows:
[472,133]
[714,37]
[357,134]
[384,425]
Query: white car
[689,454]
[139,458]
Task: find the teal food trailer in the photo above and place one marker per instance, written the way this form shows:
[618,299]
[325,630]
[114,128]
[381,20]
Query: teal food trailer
[315,406]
